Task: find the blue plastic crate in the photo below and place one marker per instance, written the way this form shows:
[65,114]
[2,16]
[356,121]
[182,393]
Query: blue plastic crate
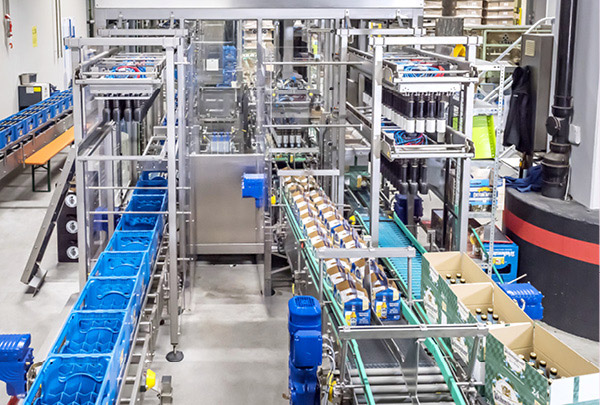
[68,380]
[147,203]
[5,135]
[144,222]
[527,297]
[154,175]
[122,264]
[140,222]
[120,294]
[95,333]
[134,241]
[29,123]
[157,182]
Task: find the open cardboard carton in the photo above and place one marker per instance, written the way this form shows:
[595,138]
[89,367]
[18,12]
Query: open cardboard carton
[469,297]
[456,262]
[438,298]
[510,380]
[484,296]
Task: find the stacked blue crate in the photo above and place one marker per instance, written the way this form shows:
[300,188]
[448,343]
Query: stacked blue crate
[33,117]
[229,64]
[86,363]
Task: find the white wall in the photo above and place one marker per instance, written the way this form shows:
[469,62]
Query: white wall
[585,157]
[24,58]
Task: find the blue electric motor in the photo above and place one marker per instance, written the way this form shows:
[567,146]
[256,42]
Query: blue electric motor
[306,349]
[15,359]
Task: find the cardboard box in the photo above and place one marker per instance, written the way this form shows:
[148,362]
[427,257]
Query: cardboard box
[494,4]
[472,21]
[437,295]
[483,296]
[498,21]
[510,380]
[509,12]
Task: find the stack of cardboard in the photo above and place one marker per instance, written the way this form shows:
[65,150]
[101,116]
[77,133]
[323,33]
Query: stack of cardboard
[324,226]
[432,9]
[470,10]
[499,12]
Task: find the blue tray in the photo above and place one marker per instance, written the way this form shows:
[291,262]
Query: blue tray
[111,293]
[91,332]
[122,264]
[135,241]
[68,380]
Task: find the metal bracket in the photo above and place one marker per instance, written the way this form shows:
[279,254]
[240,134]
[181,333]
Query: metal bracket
[33,275]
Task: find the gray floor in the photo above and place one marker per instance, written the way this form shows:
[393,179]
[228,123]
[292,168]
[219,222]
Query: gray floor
[235,344]
[21,215]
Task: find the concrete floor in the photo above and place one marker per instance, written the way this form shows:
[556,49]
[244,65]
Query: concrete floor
[235,344]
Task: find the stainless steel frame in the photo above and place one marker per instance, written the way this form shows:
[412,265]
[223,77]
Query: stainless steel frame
[98,153]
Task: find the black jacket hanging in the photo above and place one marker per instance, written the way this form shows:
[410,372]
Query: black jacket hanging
[518,130]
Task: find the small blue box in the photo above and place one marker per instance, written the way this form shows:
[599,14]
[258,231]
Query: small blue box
[254,186]
[506,257]
[306,349]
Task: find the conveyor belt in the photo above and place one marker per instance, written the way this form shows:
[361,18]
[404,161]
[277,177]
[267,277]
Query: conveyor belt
[390,235]
[374,357]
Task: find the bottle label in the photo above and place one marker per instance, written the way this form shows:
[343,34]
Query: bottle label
[513,361]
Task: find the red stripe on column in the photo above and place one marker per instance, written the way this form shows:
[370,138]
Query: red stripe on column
[551,241]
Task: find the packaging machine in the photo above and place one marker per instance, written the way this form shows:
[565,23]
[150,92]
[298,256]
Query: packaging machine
[228,130]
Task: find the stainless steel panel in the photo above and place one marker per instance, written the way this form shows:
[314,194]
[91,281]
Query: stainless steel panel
[218,102]
[536,52]
[220,215]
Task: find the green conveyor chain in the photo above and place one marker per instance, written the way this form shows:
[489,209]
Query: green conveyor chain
[409,315]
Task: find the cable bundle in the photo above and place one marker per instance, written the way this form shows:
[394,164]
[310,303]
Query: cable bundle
[403,138]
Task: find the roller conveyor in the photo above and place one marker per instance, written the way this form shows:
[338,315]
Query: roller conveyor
[392,235]
[375,369]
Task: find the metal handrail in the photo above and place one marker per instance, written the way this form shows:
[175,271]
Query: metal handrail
[492,95]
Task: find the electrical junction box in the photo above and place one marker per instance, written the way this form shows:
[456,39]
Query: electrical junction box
[254,186]
[32,93]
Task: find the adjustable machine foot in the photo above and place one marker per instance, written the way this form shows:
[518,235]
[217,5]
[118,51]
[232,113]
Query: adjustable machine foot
[175,356]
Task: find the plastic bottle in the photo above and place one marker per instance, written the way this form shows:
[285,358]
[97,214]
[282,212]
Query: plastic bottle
[353,316]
